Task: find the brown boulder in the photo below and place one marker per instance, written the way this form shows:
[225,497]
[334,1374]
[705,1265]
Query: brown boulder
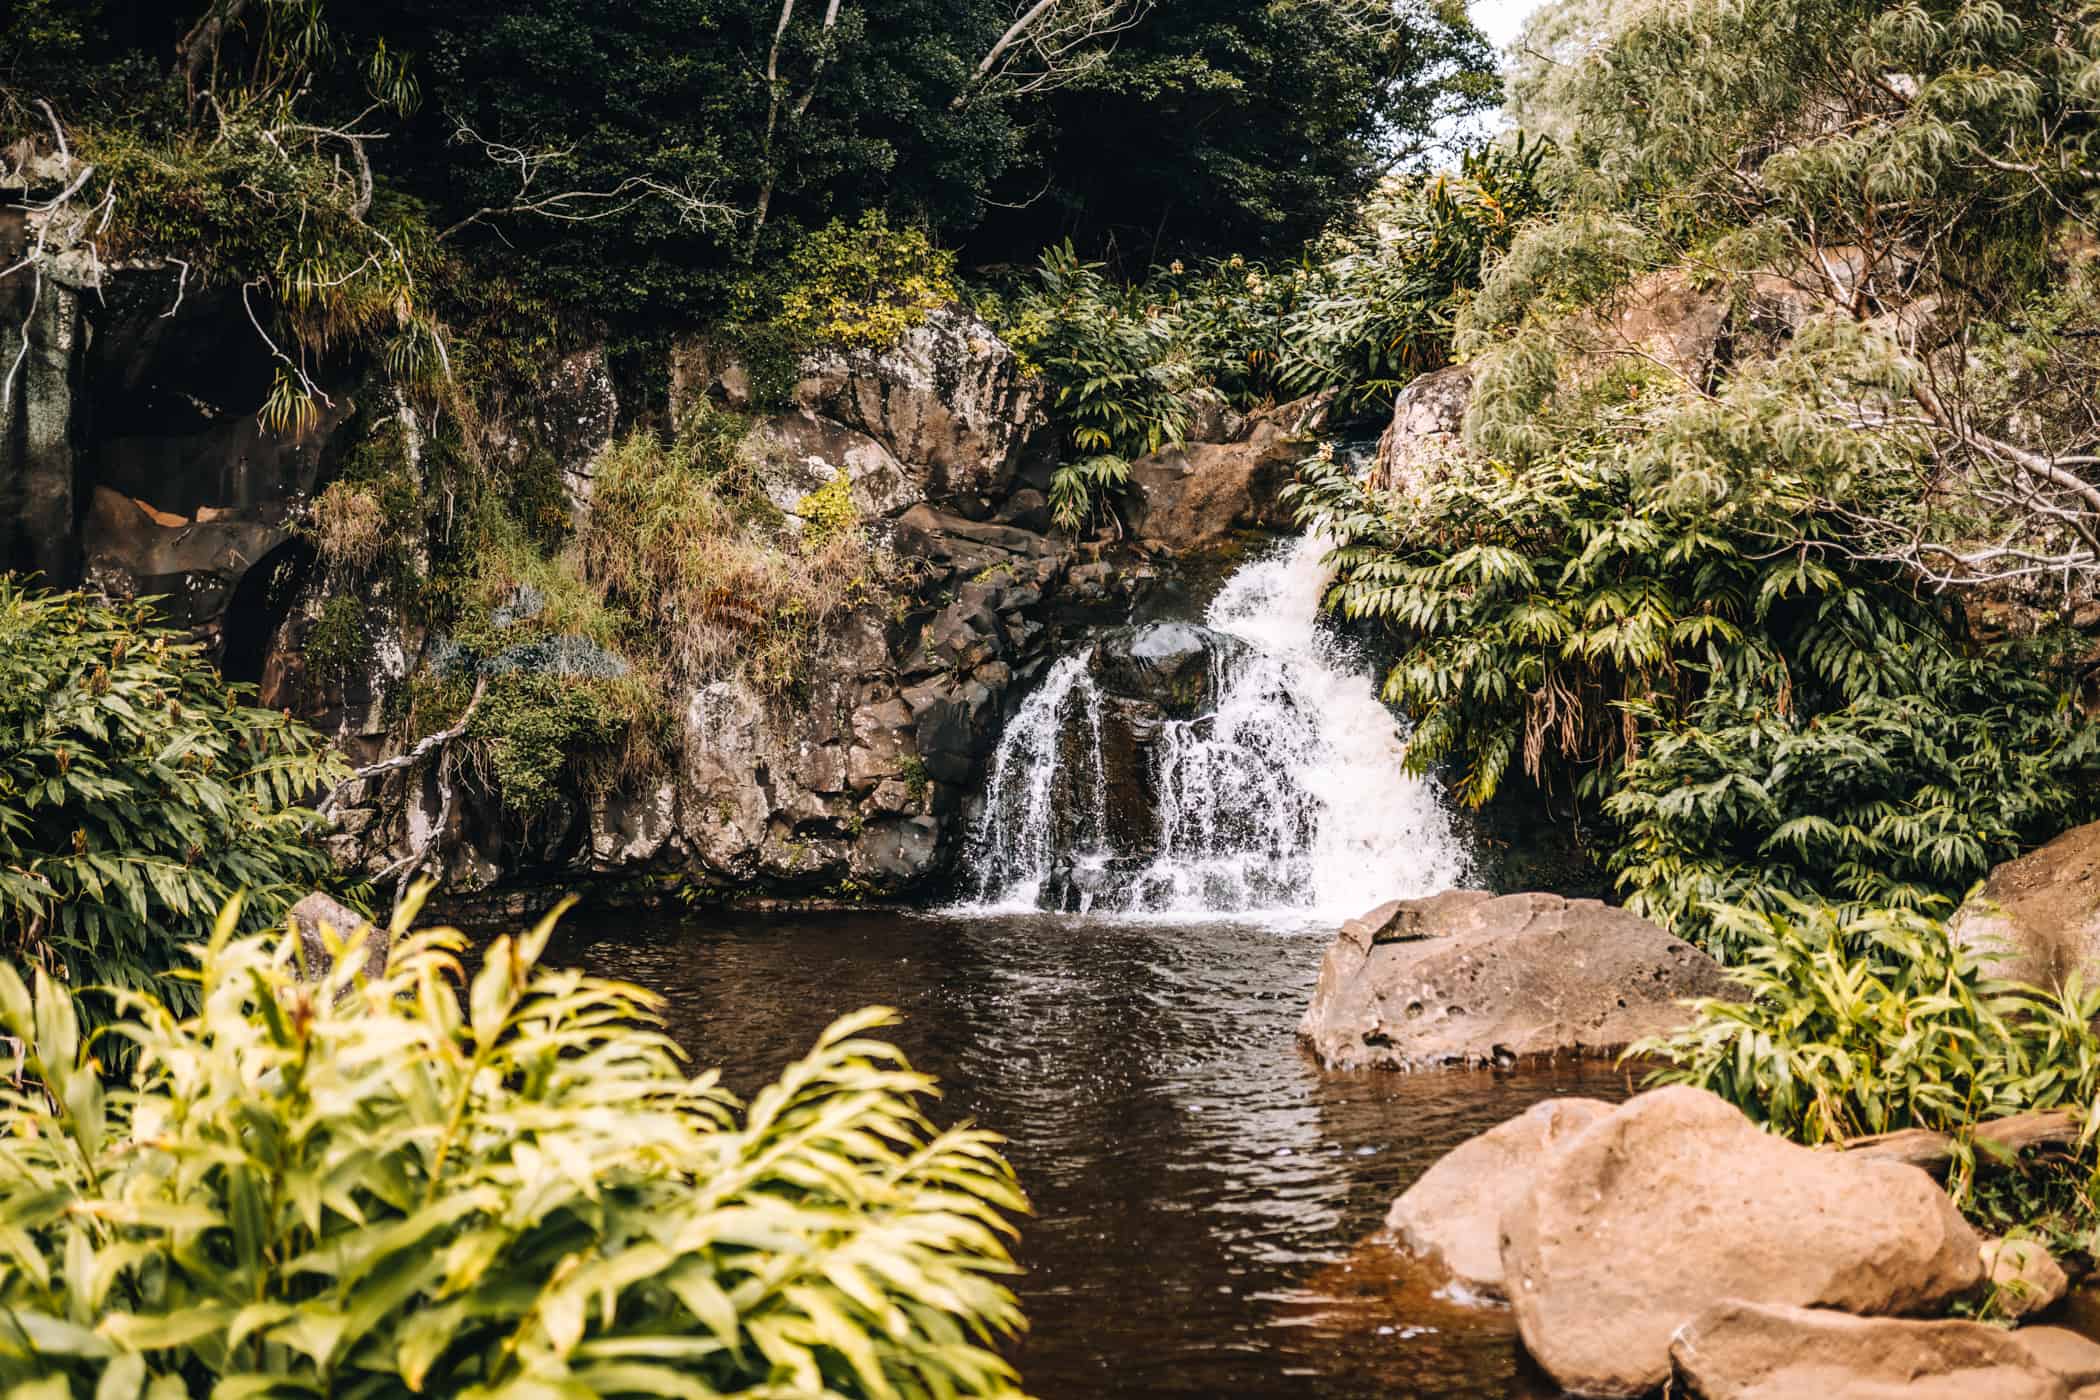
[1453,1213]
[1466,977]
[1755,1351]
[1676,1203]
[2037,918]
[2070,1355]
[1195,495]
[2022,1277]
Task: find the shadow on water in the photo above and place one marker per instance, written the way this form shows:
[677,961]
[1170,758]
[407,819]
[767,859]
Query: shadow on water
[1201,1189]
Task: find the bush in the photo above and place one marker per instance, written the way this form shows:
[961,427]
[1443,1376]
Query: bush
[1675,630]
[683,539]
[860,286]
[1877,1022]
[510,1188]
[137,792]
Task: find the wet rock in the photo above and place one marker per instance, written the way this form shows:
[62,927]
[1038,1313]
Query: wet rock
[1453,1213]
[2037,918]
[1172,666]
[2022,1278]
[1754,1351]
[1194,496]
[1677,1203]
[320,920]
[1466,977]
[1427,417]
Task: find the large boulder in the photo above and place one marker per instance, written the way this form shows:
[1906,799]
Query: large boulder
[2037,918]
[949,400]
[1467,977]
[1677,1202]
[1741,1350]
[798,454]
[1452,1215]
[1427,417]
[325,925]
[2024,1278]
[1175,667]
[1195,495]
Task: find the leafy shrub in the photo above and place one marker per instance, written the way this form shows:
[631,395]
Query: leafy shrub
[1672,629]
[532,725]
[338,645]
[1875,1022]
[860,286]
[510,1187]
[137,792]
[827,512]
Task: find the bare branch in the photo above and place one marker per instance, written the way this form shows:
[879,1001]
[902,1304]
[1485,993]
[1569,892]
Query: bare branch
[692,206]
[1049,44]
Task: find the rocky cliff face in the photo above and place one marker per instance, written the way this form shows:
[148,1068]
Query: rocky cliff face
[132,461]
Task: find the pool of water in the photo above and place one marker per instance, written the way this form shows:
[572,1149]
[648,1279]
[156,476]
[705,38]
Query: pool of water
[1203,1192]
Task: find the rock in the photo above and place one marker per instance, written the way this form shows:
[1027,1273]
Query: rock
[1466,977]
[2070,1355]
[1453,1213]
[1676,1203]
[1750,1351]
[572,419]
[799,453]
[1211,418]
[38,450]
[1427,417]
[319,919]
[2037,918]
[1193,496]
[949,400]
[1173,666]
[2022,1277]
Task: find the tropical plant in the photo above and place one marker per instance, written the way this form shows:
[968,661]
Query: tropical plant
[138,792]
[1861,1024]
[498,1186]
[1665,625]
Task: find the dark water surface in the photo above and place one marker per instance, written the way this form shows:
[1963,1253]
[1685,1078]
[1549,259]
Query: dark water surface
[1201,1188]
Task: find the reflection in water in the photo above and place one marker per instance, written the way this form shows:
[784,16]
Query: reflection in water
[1200,1187]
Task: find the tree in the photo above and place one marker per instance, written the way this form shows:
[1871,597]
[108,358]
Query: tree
[1215,127]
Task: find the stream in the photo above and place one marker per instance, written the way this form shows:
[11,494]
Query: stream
[1204,798]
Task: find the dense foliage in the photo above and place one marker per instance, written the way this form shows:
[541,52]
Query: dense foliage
[138,792]
[499,1186]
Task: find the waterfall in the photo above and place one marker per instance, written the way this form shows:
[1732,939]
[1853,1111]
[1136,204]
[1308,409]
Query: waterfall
[1263,774]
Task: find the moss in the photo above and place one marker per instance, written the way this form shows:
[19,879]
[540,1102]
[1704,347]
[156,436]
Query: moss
[534,726]
[338,645]
[917,782]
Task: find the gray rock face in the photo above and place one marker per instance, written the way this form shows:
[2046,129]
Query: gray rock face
[948,399]
[2037,919]
[1172,667]
[1758,1351]
[1453,1213]
[1676,1203]
[1466,977]
[1427,417]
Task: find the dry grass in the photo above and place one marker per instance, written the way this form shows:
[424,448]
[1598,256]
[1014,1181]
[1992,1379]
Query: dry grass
[349,526]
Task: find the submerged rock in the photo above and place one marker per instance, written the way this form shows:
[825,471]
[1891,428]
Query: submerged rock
[1740,1350]
[1466,977]
[2037,919]
[1453,1213]
[1676,1203]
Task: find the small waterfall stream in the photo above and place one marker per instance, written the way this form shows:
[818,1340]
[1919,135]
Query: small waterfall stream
[1246,765]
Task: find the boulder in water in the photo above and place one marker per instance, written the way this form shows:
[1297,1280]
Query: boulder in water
[1676,1203]
[1466,977]
[1176,667]
[1453,1213]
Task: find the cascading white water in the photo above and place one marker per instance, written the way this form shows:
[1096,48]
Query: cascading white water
[1287,793]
